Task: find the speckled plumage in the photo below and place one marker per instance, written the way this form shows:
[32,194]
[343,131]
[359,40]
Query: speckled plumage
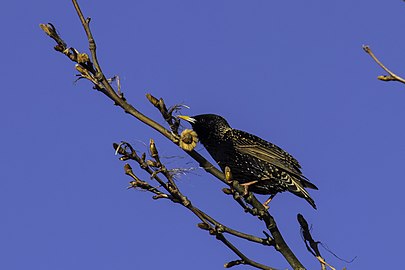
[251,158]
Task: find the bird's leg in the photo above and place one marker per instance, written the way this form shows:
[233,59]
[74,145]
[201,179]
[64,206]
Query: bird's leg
[266,203]
[246,186]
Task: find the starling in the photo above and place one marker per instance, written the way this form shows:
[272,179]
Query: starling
[262,166]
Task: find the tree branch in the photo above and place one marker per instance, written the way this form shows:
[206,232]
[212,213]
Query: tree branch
[392,76]
[91,70]
[174,194]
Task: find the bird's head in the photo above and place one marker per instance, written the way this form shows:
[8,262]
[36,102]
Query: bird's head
[207,125]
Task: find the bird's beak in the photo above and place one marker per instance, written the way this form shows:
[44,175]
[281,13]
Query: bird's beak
[187,118]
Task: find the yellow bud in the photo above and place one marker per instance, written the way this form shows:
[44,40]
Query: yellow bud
[228,174]
[152,100]
[82,58]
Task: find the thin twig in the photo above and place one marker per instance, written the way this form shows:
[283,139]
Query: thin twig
[264,241]
[92,42]
[244,260]
[310,243]
[392,76]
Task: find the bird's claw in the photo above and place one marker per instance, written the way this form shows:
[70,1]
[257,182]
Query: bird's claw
[246,186]
[266,203]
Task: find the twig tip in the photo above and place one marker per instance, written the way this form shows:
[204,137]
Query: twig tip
[366,48]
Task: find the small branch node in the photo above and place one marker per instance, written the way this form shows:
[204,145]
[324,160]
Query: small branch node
[82,58]
[219,228]
[386,78]
[167,115]
[234,263]
[152,163]
[142,162]
[50,30]
[204,226]
[160,196]
[128,169]
[153,150]
[269,240]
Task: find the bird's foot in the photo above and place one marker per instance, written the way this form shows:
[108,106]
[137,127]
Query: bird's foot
[266,203]
[246,187]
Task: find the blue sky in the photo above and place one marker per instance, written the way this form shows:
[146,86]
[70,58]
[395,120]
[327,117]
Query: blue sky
[291,72]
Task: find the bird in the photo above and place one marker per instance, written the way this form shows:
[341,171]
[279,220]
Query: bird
[261,166]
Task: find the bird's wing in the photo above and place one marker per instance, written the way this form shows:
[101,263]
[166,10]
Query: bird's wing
[252,145]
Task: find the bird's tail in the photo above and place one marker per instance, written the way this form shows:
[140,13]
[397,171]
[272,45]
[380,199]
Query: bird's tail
[311,202]
[297,186]
[308,184]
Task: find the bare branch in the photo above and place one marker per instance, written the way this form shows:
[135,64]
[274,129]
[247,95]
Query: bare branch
[91,70]
[138,183]
[392,76]
[310,243]
[208,223]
